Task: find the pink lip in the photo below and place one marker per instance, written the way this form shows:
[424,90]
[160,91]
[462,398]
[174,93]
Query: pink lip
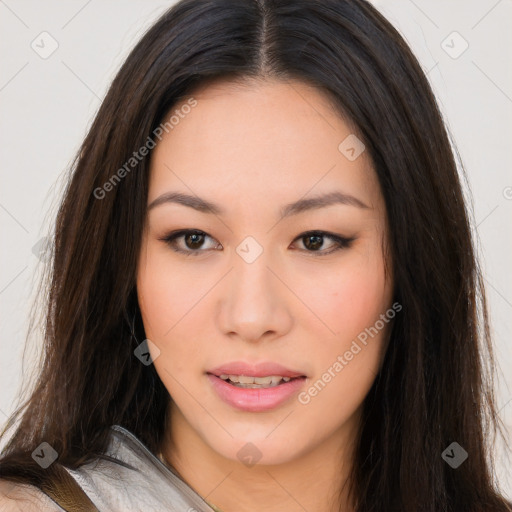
[263,369]
[255,400]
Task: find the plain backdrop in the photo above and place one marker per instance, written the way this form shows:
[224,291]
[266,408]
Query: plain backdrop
[47,102]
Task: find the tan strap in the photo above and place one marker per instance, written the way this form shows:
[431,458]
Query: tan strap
[62,488]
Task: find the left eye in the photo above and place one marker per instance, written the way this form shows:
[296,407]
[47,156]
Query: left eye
[313,241]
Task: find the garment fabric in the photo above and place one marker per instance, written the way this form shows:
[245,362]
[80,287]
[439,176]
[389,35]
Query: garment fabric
[128,478]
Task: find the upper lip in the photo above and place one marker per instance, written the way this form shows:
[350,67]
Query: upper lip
[261,369]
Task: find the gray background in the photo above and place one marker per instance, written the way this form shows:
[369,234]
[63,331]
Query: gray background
[47,104]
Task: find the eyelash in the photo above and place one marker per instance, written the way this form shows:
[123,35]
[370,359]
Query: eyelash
[342,243]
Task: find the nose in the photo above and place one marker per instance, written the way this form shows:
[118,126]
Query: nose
[254,302]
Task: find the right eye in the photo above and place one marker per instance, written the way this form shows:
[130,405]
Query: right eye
[192,241]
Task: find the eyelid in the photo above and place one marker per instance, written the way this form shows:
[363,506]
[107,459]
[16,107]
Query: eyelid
[340,241]
[174,235]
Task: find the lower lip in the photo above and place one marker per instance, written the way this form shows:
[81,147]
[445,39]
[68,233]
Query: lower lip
[255,400]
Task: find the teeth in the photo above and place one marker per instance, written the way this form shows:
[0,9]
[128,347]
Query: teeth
[255,382]
[243,379]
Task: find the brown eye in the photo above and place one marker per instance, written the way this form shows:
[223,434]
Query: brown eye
[313,241]
[192,241]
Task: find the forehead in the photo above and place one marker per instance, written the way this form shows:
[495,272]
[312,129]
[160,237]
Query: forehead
[258,139]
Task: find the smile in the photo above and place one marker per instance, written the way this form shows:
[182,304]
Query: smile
[246,381]
[272,391]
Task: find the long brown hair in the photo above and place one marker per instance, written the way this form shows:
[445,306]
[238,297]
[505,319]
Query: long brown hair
[435,386]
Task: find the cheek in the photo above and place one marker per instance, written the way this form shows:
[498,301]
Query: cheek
[350,302]
[353,305]
[362,298]
[166,293]
[346,299]
[169,298]
[348,362]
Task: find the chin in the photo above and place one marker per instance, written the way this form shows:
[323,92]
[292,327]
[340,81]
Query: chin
[259,449]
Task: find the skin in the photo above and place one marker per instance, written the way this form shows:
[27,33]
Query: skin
[251,148]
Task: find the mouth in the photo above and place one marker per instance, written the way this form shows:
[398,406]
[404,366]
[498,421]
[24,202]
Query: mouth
[248,382]
[255,387]
[264,374]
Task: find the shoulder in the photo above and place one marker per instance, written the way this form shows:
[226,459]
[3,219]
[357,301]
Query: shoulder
[17,497]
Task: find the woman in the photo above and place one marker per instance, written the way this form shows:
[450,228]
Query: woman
[263,271]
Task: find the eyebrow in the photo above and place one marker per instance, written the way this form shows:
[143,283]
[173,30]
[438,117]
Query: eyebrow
[302,205]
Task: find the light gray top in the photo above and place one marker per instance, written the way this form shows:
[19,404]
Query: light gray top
[131,478]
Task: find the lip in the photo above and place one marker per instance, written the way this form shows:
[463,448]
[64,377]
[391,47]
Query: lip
[256,400]
[261,369]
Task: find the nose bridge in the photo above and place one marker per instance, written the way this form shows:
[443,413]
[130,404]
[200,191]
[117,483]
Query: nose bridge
[252,279]
[254,303]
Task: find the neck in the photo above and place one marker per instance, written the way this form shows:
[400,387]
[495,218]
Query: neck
[311,481]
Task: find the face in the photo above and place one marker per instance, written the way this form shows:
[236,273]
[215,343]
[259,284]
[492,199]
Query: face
[250,279]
